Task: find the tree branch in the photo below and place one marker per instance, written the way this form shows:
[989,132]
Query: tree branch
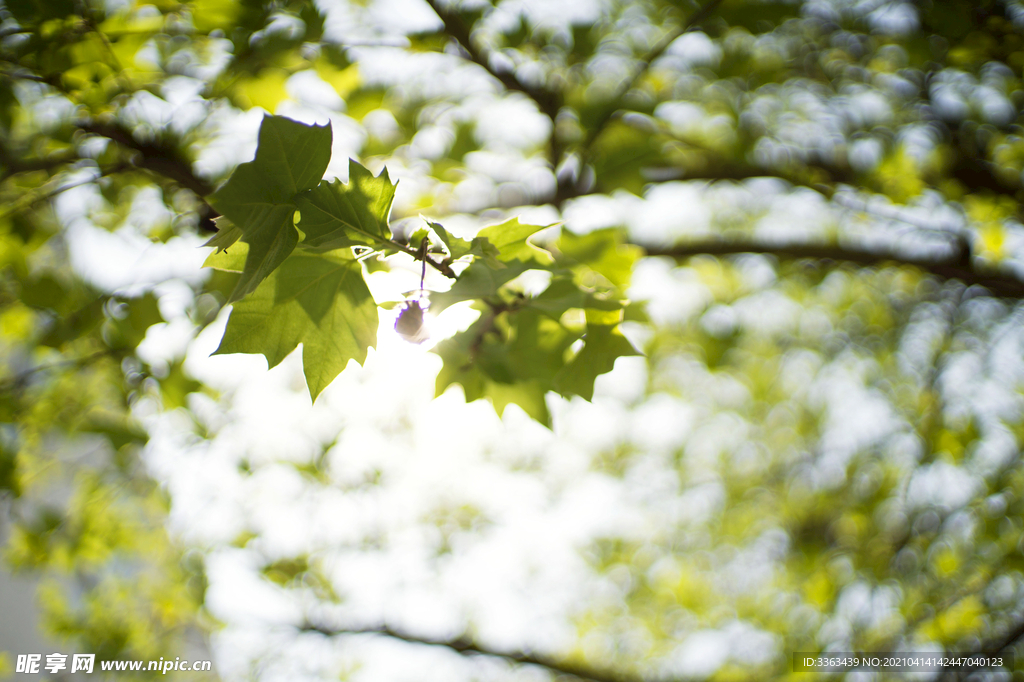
[17,381]
[12,164]
[549,102]
[645,63]
[466,646]
[49,191]
[1003,285]
[161,159]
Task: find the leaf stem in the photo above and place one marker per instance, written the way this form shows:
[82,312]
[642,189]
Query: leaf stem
[417,254]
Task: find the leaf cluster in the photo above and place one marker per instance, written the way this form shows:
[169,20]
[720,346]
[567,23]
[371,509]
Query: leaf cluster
[301,282]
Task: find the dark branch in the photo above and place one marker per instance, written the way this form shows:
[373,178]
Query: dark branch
[441,266]
[158,158]
[976,173]
[951,267]
[12,164]
[163,160]
[466,646]
[547,101]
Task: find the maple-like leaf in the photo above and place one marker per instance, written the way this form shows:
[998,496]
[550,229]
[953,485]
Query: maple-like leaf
[317,299]
[602,345]
[227,234]
[479,360]
[258,197]
[512,239]
[336,215]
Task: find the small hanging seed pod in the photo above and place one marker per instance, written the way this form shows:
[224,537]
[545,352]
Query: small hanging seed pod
[410,324]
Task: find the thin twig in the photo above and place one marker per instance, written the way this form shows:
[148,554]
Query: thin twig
[15,382]
[467,646]
[30,199]
[13,165]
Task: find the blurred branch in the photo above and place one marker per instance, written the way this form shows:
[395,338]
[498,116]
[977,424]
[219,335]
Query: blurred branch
[158,158]
[951,267]
[48,191]
[163,160]
[548,101]
[18,381]
[12,164]
[645,63]
[466,646]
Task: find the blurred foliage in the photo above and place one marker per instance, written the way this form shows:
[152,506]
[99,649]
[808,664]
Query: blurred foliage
[800,533]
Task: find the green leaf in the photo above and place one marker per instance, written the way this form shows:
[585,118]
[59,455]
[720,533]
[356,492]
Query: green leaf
[563,294]
[602,345]
[603,252]
[318,300]
[290,157]
[335,215]
[480,247]
[478,281]
[120,431]
[512,239]
[528,395]
[270,232]
[456,246]
[228,261]
[479,361]
[209,15]
[175,387]
[538,346]
[621,152]
[9,471]
[76,324]
[507,357]
[227,234]
[130,330]
[42,292]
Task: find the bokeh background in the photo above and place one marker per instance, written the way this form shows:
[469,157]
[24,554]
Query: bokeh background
[818,447]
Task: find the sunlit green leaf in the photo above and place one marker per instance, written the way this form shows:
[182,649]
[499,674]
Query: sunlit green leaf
[603,252]
[478,281]
[227,234]
[290,157]
[512,239]
[336,215]
[318,300]
[602,345]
